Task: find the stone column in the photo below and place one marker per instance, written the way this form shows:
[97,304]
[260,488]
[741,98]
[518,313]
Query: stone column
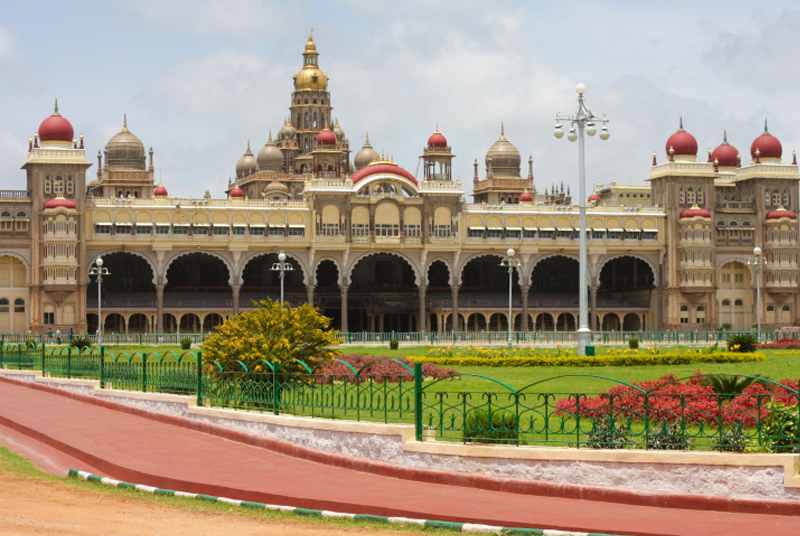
[236,289]
[525,316]
[423,317]
[595,324]
[344,307]
[310,292]
[160,308]
[455,324]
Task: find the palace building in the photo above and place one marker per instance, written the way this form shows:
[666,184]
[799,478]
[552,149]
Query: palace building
[377,248]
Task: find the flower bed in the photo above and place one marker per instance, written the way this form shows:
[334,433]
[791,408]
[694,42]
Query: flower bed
[781,344]
[381,370]
[616,360]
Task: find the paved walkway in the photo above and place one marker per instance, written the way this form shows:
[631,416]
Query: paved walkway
[145,451]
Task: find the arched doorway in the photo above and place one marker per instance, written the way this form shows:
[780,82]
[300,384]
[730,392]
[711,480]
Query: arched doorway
[138,323]
[565,322]
[544,322]
[631,322]
[129,285]
[735,296]
[190,323]
[627,284]
[211,321]
[484,287]
[327,294]
[383,291]
[498,322]
[197,281]
[114,323]
[611,322]
[259,281]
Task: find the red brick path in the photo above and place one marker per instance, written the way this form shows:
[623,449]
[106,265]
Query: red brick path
[119,443]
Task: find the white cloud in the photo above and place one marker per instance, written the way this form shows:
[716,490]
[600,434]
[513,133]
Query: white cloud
[16,70]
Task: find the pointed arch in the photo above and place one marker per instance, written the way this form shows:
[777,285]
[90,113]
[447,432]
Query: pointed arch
[348,272]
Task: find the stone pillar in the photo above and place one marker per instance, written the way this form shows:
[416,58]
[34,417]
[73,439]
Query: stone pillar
[236,289]
[423,317]
[595,324]
[525,316]
[344,307]
[310,294]
[160,308]
[456,323]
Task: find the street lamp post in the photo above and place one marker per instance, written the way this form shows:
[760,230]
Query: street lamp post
[584,120]
[757,261]
[99,271]
[511,262]
[282,266]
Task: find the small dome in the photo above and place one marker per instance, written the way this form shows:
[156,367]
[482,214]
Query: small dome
[270,158]
[682,144]
[768,146]
[437,139]
[125,151]
[593,198]
[247,164]
[505,157]
[56,128]
[695,212]
[726,154]
[276,187]
[236,192]
[160,191]
[781,213]
[60,202]
[326,137]
[287,133]
[525,197]
[337,130]
[365,156]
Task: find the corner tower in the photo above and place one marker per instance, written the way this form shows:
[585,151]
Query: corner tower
[311,104]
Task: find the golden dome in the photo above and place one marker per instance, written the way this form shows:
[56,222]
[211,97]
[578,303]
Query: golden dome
[310,78]
[505,157]
[125,151]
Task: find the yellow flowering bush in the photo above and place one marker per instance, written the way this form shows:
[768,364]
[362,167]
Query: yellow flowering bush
[619,359]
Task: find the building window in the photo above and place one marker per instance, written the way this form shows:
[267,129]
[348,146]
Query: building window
[360,229]
[387,229]
[738,303]
[726,303]
[257,230]
[564,233]
[680,195]
[162,229]
[48,185]
[122,229]
[180,229]
[277,230]
[328,229]
[239,230]
[529,233]
[690,196]
[415,230]
[512,233]
[297,230]
[701,315]
[144,229]
[766,198]
[649,235]
[4,308]
[614,235]
[776,198]
[58,185]
[631,234]
[546,233]
[19,305]
[684,314]
[221,230]
[70,185]
[442,231]
[102,228]
[49,318]
[475,232]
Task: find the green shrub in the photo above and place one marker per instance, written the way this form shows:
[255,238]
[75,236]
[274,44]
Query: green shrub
[779,428]
[667,437]
[186,343]
[727,326]
[618,360]
[633,343]
[733,440]
[394,344]
[742,342]
[731,385]
[81,343]
[606,436]
[503,428]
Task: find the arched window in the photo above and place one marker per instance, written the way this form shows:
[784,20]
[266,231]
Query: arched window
[19,305]
[70,185]
[746,224]
[314,122]
[690,196]
[786,314]
[766,198]
[776,197]
[305,120]
[700,198]
[726,303]
[738,303]
[4,305]
[734,224]
[684,314]
[306,144]
[701,315]
[48,185]
[58,185]
[720,223]
[680,195]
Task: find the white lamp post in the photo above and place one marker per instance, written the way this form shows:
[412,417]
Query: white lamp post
[99,271]
[756,261]
[584,120]
[282,266]
[510,262]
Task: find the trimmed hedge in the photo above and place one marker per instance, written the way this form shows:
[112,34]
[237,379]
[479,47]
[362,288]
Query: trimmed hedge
[624,360]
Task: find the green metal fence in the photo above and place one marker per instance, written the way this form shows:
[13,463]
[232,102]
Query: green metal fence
[714,412]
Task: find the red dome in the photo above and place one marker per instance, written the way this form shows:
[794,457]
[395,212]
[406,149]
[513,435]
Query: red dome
[781,213]
[236,192]
[768,146]
[437,139]
[726,154]
[160,191]
[694,212]
[60,202]
[326,136]
[594,197]
[56,128]
[382,168]
[526,197]
[682,143]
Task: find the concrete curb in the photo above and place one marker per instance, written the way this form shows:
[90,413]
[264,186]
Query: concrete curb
[425,523]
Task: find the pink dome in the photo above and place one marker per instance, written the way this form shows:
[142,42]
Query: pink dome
[437,139]
[60,202]
[326,137]
[594,197]
[236,192]
[160,191]
[526,197]
[56,128]
[682,143]
[768,146]
[726,154]
[374,169]
[694,212]
[781,213]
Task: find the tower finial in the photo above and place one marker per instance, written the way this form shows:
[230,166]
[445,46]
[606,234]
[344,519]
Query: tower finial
[125,122]
[248,144]
[766,131]
[437,126]
[270,135]
[367,142]
[55,111]
[681,122]
[502,131]
[725,137]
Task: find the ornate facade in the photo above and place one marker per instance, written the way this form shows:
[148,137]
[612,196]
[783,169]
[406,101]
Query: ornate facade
[377,248]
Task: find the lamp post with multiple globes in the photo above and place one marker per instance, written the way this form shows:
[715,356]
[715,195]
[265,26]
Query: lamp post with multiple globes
[99,271]
[584,120]
[511,263]
[757,261]
[282,266]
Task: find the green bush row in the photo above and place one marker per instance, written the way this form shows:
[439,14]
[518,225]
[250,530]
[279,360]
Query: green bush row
[623,360]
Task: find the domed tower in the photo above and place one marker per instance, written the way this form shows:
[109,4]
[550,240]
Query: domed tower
[311,105]
[503,182]
[437,153]
[270,157]
[288,145]
[125,173]
[365,156]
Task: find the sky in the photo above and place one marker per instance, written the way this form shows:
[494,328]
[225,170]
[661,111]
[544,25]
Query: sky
[199,78]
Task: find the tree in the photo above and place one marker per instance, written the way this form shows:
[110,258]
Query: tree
[275,334]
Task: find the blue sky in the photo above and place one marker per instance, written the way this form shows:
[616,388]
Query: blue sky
[199,78]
